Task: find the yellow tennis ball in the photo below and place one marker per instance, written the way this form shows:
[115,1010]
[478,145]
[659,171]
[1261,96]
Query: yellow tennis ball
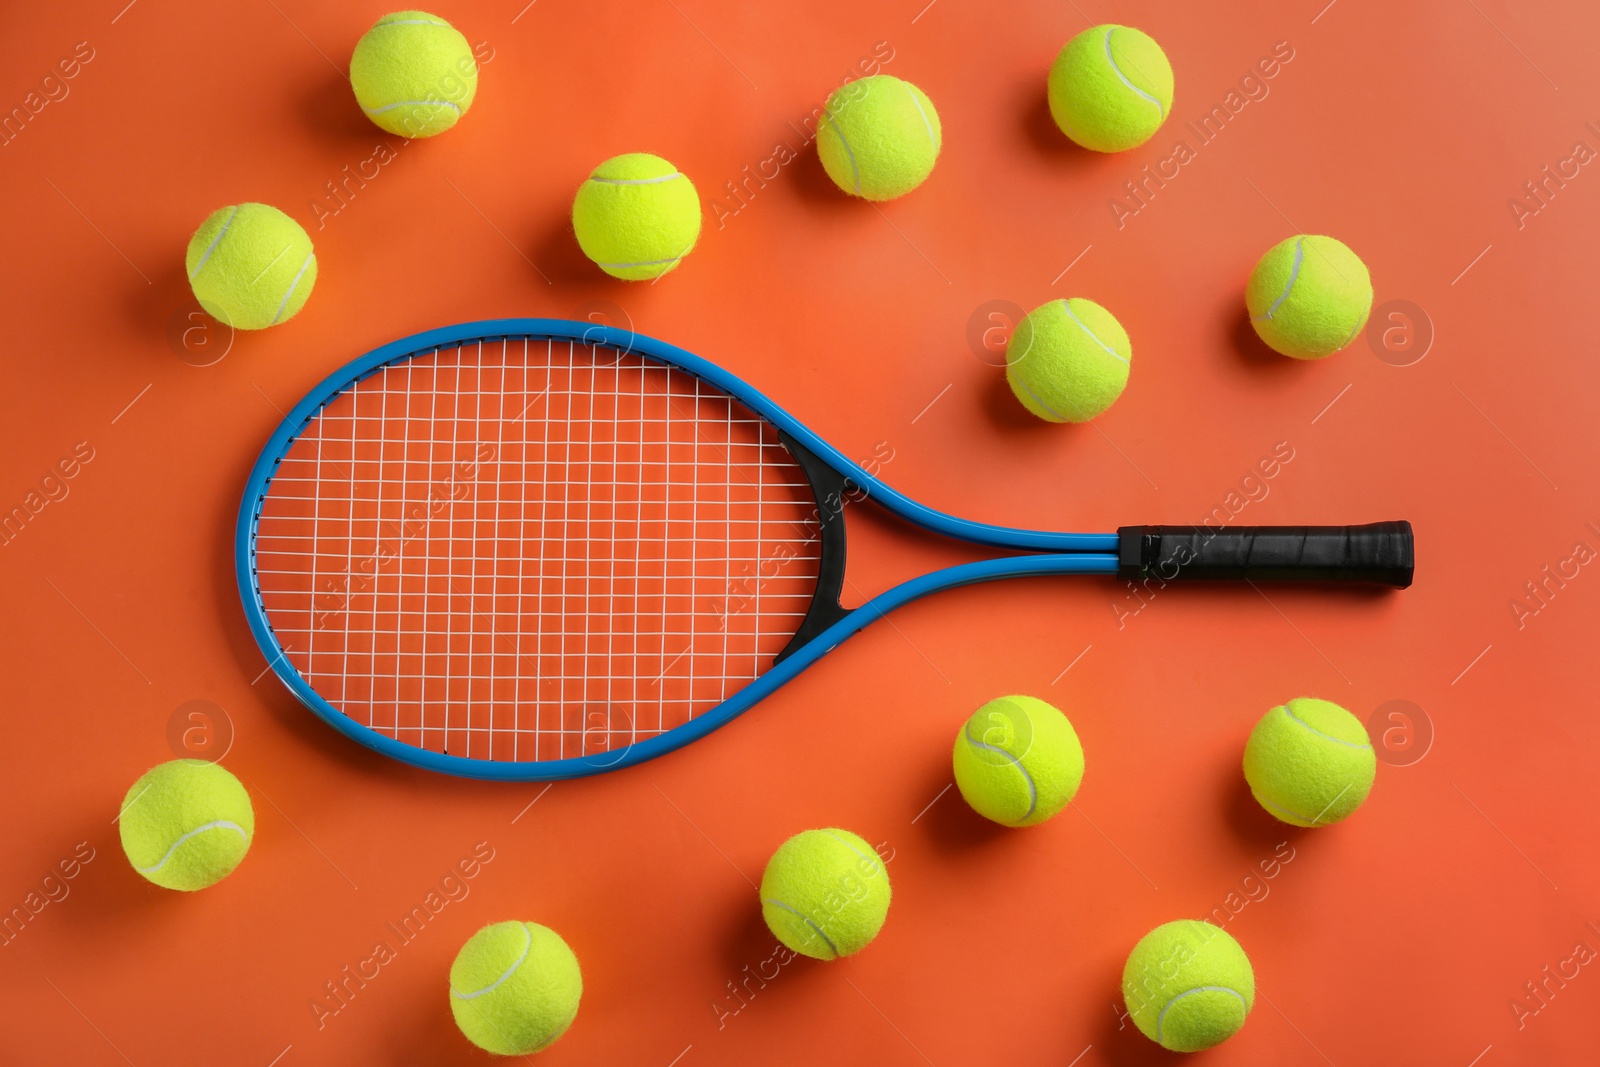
[186,824]
[1018,761]
[637,216]
[1309,296]
[825,893]
[1188,985]
[878,137]
[414,74]
[251,266]
[1309,762]
[514,988]
[1068,360]
[1110,88]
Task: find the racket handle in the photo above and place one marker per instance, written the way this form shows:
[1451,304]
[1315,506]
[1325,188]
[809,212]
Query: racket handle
[1379,552]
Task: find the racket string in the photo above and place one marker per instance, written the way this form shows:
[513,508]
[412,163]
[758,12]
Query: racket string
[534,550]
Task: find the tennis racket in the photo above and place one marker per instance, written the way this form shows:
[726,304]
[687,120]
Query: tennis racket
[533,549]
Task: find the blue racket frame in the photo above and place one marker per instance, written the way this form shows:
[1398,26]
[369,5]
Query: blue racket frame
[1058,553]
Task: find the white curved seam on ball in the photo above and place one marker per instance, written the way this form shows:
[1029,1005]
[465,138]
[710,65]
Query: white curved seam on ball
[212,247]
[1037,399]
[293,286]
[219,824]
[855,171]
[1270,806]
[1084,327]
[1294,274]
[414,22]
[636,181]
[1350,744]
[1197,989]
[642,262]
[846,843]
[1118,71]
[1311,821]
[504,978]
[814,927]
[932,139]
[1033,792]
[412,103]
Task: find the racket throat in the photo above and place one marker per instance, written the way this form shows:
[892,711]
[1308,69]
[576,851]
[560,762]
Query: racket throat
[832,491]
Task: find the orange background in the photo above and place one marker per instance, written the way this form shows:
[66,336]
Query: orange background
[1400,936]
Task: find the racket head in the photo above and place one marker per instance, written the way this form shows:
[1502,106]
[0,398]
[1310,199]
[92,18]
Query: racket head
[407,625]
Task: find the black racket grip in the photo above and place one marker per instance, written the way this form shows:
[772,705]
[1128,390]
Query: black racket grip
[1379,552]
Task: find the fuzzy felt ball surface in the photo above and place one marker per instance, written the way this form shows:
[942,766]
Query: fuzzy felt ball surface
[1110,88]
[1310,762]
[1018,761]
[879,137]
[1068,360]
[515,988]
[1188,985]
[825,893]
[636,216]
[186,824]
[251,266]
[1309,296]
[414,74]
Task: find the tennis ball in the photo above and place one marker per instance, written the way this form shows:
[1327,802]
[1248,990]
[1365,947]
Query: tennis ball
[637,216]
[1018,761]
[186,824]
[879,137]
[1309,762]
[825,893]
[1188,985]
[414,74]
[1110,88]
[1309,296]
[514,988]
[1068,360]
[251,266]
